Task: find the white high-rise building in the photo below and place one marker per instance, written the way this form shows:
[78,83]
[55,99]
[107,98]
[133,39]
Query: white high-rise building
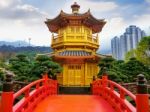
[143,33]
[139,34]
[115,47]
[128,41]
[122,46]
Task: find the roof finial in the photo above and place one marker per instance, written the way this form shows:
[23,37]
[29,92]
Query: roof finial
[75,8]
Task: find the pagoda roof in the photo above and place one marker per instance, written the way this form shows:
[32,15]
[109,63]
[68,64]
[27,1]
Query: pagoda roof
[74,53]
[63,19]
[71,54]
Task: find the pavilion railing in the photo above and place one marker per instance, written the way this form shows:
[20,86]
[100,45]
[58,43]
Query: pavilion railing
[26,99]
[133,87]
[120,98]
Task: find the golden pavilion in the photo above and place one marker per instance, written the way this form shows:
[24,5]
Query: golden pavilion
[75,41]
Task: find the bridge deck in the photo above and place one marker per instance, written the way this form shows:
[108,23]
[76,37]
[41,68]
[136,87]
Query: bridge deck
[73,103]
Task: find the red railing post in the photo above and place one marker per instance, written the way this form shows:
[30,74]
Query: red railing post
[122,94]
[142,100]
[105,78]
[45,77]
[104,84]
[7,94]
[56,87]
[91,85]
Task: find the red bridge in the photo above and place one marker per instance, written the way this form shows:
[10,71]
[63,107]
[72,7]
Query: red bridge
[41,96]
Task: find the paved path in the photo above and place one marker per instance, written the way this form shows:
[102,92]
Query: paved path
[73,103]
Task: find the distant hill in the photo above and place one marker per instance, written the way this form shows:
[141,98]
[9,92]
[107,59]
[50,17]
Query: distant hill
[7,52]
[15,43]
[36,49]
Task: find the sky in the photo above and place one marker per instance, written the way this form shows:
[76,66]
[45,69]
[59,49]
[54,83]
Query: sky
[23,19]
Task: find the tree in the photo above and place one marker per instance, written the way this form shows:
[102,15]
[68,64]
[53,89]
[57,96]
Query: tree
[1,74]
[116,72]
[130,54]
[5,56]
[113,69]
[44,64]
[29,70]
[3,66]
[143,50]
[121,71]
[21,66]
[134,67]
[105,63]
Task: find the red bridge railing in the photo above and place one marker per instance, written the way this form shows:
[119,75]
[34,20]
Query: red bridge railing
[119,97]
[29,96]
[32,94]
[133,86]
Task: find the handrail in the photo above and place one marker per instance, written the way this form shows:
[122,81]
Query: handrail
[122,92]
[17,94]
[114,94]
[39,92]
[132,86]
[123,89]
[29,96]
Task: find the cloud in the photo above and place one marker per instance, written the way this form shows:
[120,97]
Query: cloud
[20,21]
[17,30]
[148,1]
[29,10]
[7,3]
[143,21]
[97,6]
[18,11]
[114,27]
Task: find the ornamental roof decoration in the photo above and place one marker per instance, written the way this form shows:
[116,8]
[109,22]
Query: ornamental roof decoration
[75,18]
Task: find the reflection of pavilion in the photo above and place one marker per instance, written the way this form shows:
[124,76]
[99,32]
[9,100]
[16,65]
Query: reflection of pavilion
[75,41]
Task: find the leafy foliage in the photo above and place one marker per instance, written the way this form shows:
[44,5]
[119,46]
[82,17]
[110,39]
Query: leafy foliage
[1,75]
[143,50]
[121,71]
[105,63]
[134,67]
[129,54]
[44,64]
[29,70]
[3,66]
[21,66]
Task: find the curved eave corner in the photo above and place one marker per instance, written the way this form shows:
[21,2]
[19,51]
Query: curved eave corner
[103,55]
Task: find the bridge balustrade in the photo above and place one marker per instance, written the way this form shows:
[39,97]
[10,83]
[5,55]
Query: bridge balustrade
[29,96]
[132,87]
[119,97]
[113,93]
